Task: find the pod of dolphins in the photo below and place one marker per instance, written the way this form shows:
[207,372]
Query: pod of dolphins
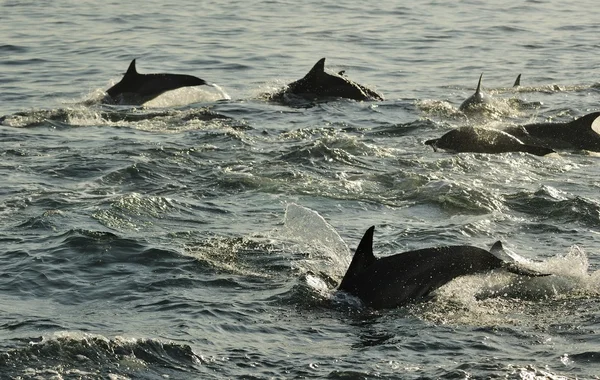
[406,277]
[539,139]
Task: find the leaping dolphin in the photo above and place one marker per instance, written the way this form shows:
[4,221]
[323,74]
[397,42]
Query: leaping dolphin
[318,84]
[582,133]
[136,88]
[484,140]
[393,281]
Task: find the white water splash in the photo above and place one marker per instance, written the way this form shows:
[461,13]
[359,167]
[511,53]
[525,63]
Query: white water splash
[327,253]
[499,297]
[221,91]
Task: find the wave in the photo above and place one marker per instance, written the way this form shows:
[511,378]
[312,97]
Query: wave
[86,356]
[167,120]
[549,203]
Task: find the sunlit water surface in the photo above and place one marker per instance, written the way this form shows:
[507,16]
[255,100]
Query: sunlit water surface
[203,234]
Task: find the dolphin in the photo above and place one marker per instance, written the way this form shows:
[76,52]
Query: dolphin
[396,280]
[136,88]
[484,140]
[582,133]
[318,84]
[476,100]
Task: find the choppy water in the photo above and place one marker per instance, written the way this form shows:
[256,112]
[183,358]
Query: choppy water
[198,237]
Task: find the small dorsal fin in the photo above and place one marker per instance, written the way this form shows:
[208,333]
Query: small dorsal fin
[363,257]
[497,248]
[517,81]
[478,90]
[318,68]
[131,70]
[342,73]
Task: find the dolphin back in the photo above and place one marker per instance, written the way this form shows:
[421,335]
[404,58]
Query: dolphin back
[136,88]
[317,83]
[396,280]
[484,140]
[582,133]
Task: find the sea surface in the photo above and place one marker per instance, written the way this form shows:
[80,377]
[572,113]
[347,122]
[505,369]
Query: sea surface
[202,235]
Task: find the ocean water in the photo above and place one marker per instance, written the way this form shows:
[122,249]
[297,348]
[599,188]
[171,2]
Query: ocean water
[202,235]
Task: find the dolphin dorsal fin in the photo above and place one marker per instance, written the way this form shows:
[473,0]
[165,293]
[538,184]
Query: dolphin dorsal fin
[517,81]
[497,248]
[363,257]
[478,90]
[498,251]
[131,70]
[318,68]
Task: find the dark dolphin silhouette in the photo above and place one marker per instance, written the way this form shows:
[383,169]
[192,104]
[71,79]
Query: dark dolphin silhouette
[393,281]
[476,100]
[318,84]
[484,140]
[580,134]
[517,81]
[136,88]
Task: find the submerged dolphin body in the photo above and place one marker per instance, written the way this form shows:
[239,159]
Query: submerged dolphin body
[582,133]
[395,280]
[318,84]
[484,140]
[136,88]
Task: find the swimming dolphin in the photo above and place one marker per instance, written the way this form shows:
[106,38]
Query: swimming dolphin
[320,84]
[484,140]
[393,281]
[136,88]
[476,100]
[582,133]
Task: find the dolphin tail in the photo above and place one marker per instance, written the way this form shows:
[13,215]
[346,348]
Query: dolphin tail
[433,143]
[498,251]
[514,268]
[363,258]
